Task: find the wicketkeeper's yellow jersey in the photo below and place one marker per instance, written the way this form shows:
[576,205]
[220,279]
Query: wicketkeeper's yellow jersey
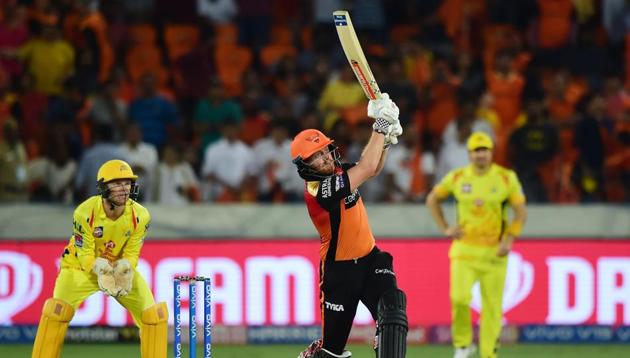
[95,235]
[482,201]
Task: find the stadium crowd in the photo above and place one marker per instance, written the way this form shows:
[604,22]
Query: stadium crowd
[202,97]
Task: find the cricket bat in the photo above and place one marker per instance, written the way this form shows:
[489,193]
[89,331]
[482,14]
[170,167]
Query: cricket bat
[354,53]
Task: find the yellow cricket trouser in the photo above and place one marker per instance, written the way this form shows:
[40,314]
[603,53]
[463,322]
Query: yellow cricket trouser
[74,286]
[470,264]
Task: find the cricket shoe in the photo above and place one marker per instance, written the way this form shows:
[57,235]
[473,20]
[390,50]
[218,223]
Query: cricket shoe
[465,352]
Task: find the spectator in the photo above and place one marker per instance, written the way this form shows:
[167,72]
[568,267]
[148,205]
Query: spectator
[225,166]
[52,176]
[454,153]
[409,168]
[13,175]
[217,11]
[340,93]
[31,109]
[214,111]
[109,110]
[271,165]
[177,183]
[532,145]
[154,114]
[13,34]
[143,159]
[102,150]
[49,58]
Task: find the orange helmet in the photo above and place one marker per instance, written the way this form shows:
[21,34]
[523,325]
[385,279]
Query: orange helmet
[307,143]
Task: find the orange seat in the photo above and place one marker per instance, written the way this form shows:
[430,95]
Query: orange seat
[306,37]
[232,62]
[143,59]
[354,115]
[281,35]
[180,39]
[402,33]
[226,34]
[271,54]
[142,34]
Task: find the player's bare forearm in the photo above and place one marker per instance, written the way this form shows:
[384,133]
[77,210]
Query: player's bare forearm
[381,163]
[367,166]
[433,203]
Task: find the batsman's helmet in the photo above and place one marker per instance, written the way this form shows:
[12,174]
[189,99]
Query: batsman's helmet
[115,169]
[307,143]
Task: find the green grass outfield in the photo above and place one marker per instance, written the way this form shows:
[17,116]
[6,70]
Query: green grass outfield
[358,351]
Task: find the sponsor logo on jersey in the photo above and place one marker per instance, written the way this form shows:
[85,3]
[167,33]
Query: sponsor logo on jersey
[384,272]
[326,187]
[352,199]
[98,232]
[339,183]
[334,307]
[78,240]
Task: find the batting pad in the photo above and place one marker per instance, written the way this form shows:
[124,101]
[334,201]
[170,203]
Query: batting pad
[154,331]
[52,328]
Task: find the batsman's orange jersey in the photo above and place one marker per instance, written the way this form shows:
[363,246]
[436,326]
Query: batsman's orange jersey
[482,201]
[96,235]
[339,217]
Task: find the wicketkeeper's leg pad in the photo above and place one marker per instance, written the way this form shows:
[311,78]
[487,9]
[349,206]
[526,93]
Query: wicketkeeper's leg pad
[392,324]
[52,328]
[154,331]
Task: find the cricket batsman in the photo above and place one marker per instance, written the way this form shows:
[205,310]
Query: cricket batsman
[482,239]
[102,255]
[352,268]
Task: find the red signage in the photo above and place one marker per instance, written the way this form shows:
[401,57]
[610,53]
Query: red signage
[275,282]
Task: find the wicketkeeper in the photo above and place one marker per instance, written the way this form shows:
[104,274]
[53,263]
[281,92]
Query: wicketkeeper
[102,255]
[352,268]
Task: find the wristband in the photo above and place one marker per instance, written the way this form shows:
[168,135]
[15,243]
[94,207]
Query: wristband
[515,228]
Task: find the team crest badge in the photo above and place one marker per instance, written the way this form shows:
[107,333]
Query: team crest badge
[98,232]
[466,188]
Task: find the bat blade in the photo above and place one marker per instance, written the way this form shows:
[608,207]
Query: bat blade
[354,54]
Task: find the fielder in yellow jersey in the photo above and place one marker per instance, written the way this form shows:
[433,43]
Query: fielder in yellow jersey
[102,254]
[482,239]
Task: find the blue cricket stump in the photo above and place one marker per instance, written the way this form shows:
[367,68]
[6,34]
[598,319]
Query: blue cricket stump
[192,321]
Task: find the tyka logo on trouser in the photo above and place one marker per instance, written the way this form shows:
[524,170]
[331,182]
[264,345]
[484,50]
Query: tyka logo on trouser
[334,307]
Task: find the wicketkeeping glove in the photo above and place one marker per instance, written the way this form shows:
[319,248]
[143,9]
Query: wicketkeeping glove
[105,276]
[123,275]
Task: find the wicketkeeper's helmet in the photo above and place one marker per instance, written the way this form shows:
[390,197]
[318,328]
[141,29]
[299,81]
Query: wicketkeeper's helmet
[307,143]
[115,169]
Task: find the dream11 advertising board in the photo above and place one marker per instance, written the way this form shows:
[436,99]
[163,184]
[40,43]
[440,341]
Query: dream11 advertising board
[271,282]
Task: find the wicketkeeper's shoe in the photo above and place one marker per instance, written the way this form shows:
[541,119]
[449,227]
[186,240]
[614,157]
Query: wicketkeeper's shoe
[465,352]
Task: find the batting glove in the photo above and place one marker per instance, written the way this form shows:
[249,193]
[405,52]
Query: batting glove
[393,132]
[383,108]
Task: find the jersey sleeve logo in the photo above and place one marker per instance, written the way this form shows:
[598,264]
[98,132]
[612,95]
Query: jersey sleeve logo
[326,187]
[98,232]
[78,240]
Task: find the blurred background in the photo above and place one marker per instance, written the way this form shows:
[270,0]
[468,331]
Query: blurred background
[202,98]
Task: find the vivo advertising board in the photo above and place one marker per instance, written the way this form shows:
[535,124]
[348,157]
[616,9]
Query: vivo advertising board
[271,282]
